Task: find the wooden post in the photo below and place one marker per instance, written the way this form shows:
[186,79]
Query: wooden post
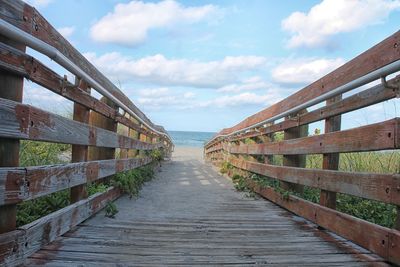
[331,161]
[294,160]
[143,138]
[135,135]
[98,120]
[79,152]
[11,88]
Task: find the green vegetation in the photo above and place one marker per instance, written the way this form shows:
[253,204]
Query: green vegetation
[111,209]
[131,181]
[157,155]
[370,210]
[225,167]
[34,153]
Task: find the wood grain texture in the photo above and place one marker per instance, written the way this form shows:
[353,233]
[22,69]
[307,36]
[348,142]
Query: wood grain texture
[365,98]
[12,89]
[26,122]
[189,215]
[331,161]
[22,64]
[381,187]
[380,240]
[80,153]
[15,246]
[31,21]
[385,52]
[378,136]
[21,184]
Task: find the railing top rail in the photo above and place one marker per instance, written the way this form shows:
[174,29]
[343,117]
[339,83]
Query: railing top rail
[379,61]
[23,23]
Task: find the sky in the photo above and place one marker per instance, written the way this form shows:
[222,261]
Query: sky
[206,65]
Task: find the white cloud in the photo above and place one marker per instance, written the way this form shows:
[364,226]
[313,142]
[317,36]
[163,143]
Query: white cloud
[253,83]
[243,99]
[157,92]
[66,31]
[304,70]
[39,3]
[162,98]
[130,23]
[158,98]
[330,17]
[157,69]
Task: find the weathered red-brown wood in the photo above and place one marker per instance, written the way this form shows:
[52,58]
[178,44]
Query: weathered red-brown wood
[381,187]
[378,136]
[294,160]
[79,152]
[27,122]
[19,244]
[378,56]
[22,64]
[102,122]
[21,184]
[381,240]
[28,19]
[365,98]
[330,161]
[11,88]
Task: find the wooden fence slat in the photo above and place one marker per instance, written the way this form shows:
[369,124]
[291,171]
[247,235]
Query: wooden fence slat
[79,153]
[17,245]
[378,136]
[21,184]
[22,64]
[381,187]
[294,160]
[9,149]
[28,19]
[26,122]
[382,54]
[381,240]
[331,161]
[365,98]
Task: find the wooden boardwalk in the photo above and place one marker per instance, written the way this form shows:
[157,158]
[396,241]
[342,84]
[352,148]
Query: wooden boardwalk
[191,215]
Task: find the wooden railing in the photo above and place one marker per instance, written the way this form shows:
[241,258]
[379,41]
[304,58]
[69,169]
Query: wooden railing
[92,133]
[250,147]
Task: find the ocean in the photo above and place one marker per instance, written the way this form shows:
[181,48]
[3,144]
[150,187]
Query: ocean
[193,139]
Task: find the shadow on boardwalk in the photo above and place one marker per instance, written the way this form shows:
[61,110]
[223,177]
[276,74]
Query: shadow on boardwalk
[191,215]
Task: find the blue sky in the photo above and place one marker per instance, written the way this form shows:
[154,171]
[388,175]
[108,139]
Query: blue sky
[206,65]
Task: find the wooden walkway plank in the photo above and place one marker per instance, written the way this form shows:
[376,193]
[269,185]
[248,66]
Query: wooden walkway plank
[191,215]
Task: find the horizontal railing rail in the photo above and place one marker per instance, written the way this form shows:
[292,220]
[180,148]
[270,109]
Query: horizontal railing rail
[270,154]
[106,136]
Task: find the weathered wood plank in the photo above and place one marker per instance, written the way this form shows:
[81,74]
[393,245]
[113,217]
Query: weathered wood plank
[374,58]
[381,187]
[21,184]
[378,136]
[17,245]
[9,149]
[294,160]
[22,64]
[80,153]
[331,161]
[21,121]
[380,240]
[31,21]
[365,98]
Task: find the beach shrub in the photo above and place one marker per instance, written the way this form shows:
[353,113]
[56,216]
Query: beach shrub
[111,209]
[225,167]
[131,181]
[375,162]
